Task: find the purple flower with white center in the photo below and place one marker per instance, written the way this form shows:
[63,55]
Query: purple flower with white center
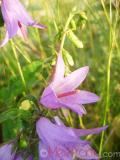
[16,19]
[7,153]
[56,139]
[62,91]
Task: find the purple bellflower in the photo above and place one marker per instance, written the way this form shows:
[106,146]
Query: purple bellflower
[58,142]
[62,91]
[7,153]
[16,19]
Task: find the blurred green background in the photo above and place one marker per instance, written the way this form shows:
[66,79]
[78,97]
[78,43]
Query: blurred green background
[94,41]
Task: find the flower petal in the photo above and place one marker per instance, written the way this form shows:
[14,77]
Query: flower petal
[35,24]
[85,97]
[49,99]
[10,20]
[84,132]
[80,97]
[22,15]
[79,109]
[59,71]
[81,132]
[6,152]
[58,121]
[51,132]
[73,80]
[86,152]
[43,152]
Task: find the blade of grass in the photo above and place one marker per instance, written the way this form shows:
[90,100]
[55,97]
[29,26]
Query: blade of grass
[106,112]
[18,63]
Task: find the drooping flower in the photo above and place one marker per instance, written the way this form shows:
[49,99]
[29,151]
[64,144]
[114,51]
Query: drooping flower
[7,153]
[62,91]
[16,19]
[58,142]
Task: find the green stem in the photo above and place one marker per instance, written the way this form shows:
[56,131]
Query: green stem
[81,122]
[18,63]
[108,79]
[65,32]
[25,57]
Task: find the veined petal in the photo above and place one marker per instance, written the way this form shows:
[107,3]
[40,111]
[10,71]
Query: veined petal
[59,71]
[49,98]
[72,81]
[79,97]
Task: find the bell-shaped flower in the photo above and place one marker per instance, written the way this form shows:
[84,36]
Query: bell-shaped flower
[58,142]
[16,19]
[63,92]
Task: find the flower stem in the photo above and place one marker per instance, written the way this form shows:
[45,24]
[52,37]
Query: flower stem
[81,122]
[18,64]
[111,38]
[65,31]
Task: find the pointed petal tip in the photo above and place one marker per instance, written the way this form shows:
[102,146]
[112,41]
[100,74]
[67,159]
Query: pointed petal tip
[105,127]
[43,26]
[38,25]
[101,129]
[97,98]
[86,68]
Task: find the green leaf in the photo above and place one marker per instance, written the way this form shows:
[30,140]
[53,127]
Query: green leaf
[10,114]
[14,113]
[75,40]
[15,86]
[68,57]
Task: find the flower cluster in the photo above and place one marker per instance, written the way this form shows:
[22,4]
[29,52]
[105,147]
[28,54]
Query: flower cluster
[57,141]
